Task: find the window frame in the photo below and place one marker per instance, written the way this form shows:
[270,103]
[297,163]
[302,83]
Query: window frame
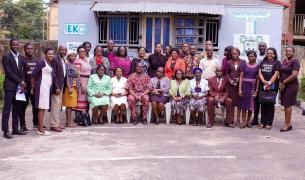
[103,42]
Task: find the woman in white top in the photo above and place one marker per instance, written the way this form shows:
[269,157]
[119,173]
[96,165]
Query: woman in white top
[119,95]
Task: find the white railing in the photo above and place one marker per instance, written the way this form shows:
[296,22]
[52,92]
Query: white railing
[299,24]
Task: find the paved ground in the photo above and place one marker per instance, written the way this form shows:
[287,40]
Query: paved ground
[158,152]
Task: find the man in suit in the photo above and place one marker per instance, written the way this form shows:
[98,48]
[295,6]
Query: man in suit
[219,95]
[56,100]
[14,76]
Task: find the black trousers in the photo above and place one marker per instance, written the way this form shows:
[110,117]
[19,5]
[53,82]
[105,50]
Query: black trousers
[29,97]
[9,103]
[256,109]
[267,114]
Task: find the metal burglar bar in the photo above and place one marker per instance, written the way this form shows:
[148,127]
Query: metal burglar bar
[212,31]
[123,30]
[299,24]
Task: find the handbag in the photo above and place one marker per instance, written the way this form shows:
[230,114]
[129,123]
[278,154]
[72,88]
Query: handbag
[83,119]
[267,97]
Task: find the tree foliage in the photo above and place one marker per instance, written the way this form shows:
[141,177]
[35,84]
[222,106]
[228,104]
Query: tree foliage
[22,19]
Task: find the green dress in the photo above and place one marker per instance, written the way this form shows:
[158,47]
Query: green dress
[97,85]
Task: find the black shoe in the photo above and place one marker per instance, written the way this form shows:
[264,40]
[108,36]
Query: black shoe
[144,121]
[229,125]
[19,133]
[157,122]
[24,129]
[254,123]
[135,122]
[7,135]
[35,126]
[288,129]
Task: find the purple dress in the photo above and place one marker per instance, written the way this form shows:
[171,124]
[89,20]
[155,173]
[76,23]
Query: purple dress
[233,72]
[122,63]
[289,95]
[248,86]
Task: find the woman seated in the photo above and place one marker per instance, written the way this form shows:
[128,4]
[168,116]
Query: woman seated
[179,91]
[99,88]
[159,93]
[199,91]
[119,95]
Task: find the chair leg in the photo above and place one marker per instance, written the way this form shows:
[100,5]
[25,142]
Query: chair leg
[149,113]
[168,111]
[109,112]
[187,115]
[128,114]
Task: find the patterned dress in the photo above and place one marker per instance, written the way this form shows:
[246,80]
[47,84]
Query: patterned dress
[44,76]
[138,84]
[144,63]
[122,63]
[95,61]
[191,62]
[200,90]
[72,78]
[85,70]
[248,86]
[182,89]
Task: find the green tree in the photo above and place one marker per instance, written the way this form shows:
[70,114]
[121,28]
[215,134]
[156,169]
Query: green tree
[22,19]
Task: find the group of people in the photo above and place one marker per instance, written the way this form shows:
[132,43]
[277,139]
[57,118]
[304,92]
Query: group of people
[82,82]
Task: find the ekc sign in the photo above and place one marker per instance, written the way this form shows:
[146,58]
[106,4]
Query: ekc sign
[76,29]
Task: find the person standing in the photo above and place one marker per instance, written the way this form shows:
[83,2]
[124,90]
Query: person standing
[173,64]
[59,68]
[207,45]
[233,75]
[268,75]
[140,59]
[248,88]
[262,47]
[110,53]
[166,51]
[184,51]
[88,46]
[29,65]
[99,59]
[227,56]
[14,77]
[72,86]
[289,85]
[42,82]
[84,69]
[191,62]
[209,64]
[122,60]
[156,60]
[138,85]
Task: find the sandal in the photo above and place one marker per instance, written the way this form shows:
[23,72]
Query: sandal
[261,126]
[242,126]
[268,127]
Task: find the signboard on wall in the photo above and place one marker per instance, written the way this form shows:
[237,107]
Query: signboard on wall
[72,46]
[76,29]
[246,42]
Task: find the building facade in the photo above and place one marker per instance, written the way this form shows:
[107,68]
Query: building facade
[134,23]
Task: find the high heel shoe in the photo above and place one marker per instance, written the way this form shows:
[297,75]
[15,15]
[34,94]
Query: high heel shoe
[288,129]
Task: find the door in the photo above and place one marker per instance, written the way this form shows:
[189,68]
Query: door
[157,31]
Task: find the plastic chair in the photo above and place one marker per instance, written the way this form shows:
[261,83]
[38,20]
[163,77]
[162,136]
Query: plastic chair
[109,114]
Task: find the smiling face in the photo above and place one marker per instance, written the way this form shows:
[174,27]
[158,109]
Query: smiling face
[50,55]
[139,68]
[62,50]
[160,72]
[142,52]
[197,75]
[72,57]
[174,55]
[158,49]
[100,71]
[262,47]
[270,54]
[82,53]
[179,75]
[251,58]
[87,47]
[219,72]
[235,54]
[122,51]
[14,45]
[289,53]
[99,51]
[209,51]
[118,73]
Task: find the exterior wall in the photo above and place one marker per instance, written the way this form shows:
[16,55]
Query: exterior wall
[271,27]
[77,13]
[53,22]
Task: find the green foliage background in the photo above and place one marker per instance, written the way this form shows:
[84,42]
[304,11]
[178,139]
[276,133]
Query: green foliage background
[22,19]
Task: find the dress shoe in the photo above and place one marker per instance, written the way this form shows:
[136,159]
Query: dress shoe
[135,122]
[56,129]
[285,130]
[35,126]
[7,135]
[254,123]
[144,121]
[24,129]
[61,127]
[209,125]
[45,133]
[19,133]
[229,125]
[157,122]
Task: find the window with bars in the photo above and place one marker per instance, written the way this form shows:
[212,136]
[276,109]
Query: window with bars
[196,30]
[123,30]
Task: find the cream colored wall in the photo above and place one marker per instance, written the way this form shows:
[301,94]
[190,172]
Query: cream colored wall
[53,22]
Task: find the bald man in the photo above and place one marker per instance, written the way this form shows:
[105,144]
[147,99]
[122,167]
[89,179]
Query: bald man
[262,47]
[209,64]
[110,53]
[207,44]
[59,66]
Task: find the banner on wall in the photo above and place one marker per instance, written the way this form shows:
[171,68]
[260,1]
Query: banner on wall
[76,29]
[72,46]
[246,42]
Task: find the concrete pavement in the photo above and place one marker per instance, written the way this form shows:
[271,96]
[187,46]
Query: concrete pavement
[158,152]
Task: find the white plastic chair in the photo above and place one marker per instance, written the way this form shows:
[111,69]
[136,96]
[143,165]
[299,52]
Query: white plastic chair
[205,116]
[109,114]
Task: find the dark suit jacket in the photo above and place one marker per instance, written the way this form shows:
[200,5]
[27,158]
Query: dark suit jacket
[13,75]
[58,70]
[222,91]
